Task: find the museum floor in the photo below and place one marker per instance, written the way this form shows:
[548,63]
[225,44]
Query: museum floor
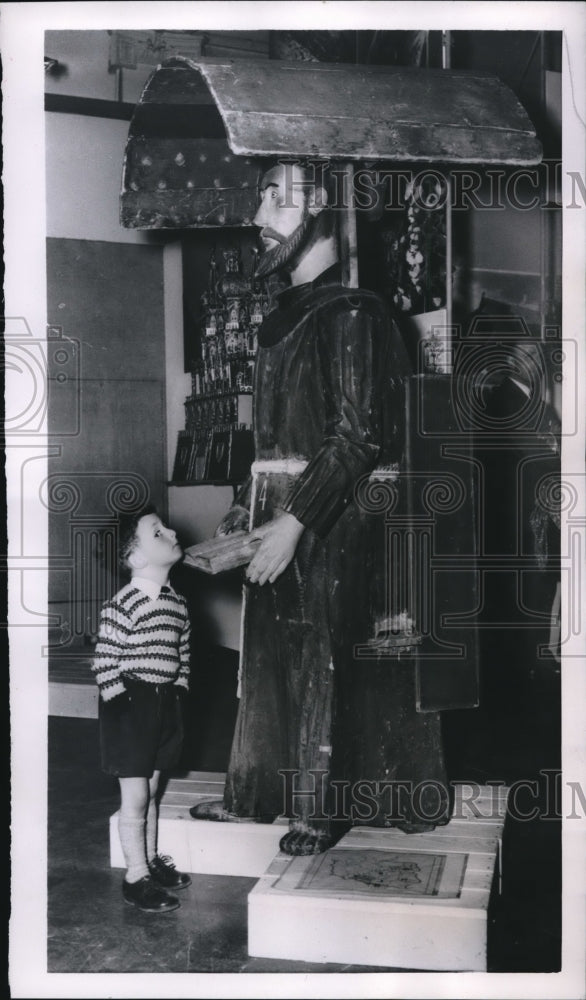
[91,930]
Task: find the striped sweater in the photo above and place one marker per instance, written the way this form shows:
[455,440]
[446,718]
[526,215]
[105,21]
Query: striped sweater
[143,636]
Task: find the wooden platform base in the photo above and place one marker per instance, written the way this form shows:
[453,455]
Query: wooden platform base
[74,701]
[385,898]
[73,691]
[204,847]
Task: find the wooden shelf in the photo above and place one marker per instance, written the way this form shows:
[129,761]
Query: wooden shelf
[219,394]
[205,482]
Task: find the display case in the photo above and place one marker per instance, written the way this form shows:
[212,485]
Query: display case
[221,320]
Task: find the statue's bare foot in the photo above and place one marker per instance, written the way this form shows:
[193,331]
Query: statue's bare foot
[302,840]
[412,827]
[213,809]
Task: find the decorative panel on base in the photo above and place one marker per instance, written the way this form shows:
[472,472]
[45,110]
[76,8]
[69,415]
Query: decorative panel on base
[385,898]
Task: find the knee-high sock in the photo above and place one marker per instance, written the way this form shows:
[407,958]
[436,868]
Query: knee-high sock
[151,830]
[131,833]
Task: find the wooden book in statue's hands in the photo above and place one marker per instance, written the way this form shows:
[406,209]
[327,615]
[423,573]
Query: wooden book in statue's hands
[223,553]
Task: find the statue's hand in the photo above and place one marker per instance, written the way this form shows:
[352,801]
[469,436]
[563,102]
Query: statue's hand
[279,539]
[235,520]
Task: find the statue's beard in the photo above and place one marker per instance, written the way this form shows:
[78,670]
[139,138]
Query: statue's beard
[285,253]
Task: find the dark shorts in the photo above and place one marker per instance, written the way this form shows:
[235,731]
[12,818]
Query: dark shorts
[141,731]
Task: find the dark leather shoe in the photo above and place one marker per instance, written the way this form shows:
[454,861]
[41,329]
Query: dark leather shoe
[165,874]
[147,895]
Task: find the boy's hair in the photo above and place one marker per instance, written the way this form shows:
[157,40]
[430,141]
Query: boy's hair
[127,528]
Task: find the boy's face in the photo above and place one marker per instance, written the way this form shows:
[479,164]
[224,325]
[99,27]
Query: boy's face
[156,544]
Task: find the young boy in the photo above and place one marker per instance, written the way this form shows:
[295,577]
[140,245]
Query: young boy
[141,665]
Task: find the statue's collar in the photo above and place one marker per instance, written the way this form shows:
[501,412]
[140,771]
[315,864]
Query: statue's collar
[291,296]
[295,303]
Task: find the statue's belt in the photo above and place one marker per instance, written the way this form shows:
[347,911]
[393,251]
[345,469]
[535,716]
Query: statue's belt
[295,466]
[276,466]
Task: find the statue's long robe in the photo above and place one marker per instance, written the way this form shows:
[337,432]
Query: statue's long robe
[328,361]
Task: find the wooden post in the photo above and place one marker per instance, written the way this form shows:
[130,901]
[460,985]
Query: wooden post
[347,216]
[446,63]
[449,259]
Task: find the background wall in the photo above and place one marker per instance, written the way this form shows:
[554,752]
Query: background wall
[84,157]
[83,56]
[114,65]
[119,293]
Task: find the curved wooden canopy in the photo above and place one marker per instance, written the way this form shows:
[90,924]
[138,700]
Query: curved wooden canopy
[201,125]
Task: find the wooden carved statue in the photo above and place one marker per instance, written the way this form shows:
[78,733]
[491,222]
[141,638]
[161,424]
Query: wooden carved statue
[317,726]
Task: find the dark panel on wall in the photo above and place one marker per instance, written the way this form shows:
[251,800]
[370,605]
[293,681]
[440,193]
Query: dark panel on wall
[106,364]
[109,296]
[443,484]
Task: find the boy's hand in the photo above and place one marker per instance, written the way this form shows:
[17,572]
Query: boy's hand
[279,539]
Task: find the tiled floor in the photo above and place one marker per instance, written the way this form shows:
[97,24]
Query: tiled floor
[92,930]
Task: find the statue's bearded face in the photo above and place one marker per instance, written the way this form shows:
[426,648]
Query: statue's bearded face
[285,222]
